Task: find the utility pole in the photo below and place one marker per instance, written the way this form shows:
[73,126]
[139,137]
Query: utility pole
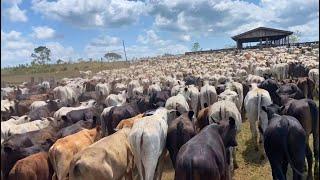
[124,49]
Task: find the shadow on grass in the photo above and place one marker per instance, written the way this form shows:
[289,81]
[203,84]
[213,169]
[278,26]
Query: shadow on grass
[250,155]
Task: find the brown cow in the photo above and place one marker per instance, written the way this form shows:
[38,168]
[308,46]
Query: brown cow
[34,167]
[109,158]
[128,122]
[306,85]
[202,119]
[63,150]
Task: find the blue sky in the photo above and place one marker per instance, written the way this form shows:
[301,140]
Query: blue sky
[88,29]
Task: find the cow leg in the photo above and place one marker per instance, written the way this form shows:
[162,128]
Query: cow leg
[309,160]
[235,164]
[277,173]
[316,150]
[160,165]
[284,168]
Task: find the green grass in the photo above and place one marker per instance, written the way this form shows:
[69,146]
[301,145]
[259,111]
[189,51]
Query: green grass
[57,71]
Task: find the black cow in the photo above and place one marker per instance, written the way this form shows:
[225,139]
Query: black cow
[271,86]
[297,69]
[190,79]
[220,88]
[159,98]
[306,111]
[287,91]
[284,142]
[180,130]
[110,120]
[204,156]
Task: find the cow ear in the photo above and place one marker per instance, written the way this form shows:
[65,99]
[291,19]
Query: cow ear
[282,108]
[7,149]
[232,123]
[50,141]
[64,118]
[264,108]
[190,115]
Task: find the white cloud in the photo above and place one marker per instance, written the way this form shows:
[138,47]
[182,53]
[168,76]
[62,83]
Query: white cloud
[59,51]
[43,32]
[226,17]
[15,14]
[93,13]
[185,37]
[105,41]
[16,49]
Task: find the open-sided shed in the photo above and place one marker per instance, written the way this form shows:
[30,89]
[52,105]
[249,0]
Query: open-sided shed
[266,37]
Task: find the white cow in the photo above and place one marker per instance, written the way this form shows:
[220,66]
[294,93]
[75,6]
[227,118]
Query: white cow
[102,90]
[116,100]
[14,120]
[314,76]
[254,100]
[177,103]
[153,89]
[66,94]
[194,95]
[222,110]
[280,71]
[208,95]
[24,128]
[147,139]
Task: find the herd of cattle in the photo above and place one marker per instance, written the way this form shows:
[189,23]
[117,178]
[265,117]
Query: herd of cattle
[120,123]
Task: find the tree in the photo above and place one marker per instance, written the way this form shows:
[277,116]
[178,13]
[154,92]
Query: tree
[295,37]
[41,55]
[59,61]
[112,56]
[195,47]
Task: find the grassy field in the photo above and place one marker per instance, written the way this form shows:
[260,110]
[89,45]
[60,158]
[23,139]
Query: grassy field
[250,165]
[57,71]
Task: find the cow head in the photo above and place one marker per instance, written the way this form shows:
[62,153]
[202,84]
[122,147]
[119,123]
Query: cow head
[272,109]
[227,129]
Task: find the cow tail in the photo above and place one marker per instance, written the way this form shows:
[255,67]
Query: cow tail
[259,104]
[180,133]
[286,151]
[52,156]
[143,171]
[208,96]
[315,128]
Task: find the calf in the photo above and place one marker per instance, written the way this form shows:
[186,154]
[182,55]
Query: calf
[33,167]
[284,142]
[63,150]
[204,156]
[108,158]
[180,130]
